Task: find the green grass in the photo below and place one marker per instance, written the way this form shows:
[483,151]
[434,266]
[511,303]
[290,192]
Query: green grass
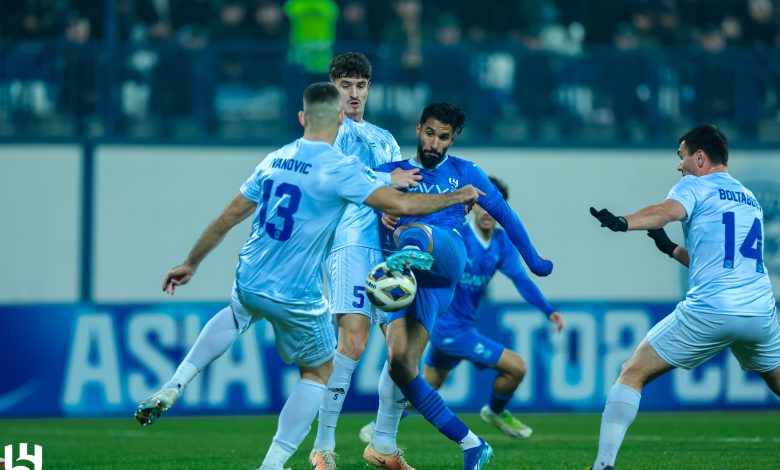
[560,441]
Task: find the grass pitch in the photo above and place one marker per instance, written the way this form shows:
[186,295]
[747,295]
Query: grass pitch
[560,441]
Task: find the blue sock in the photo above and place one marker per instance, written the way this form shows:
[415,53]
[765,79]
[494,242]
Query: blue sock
[415,236]
[429,403]
[498,402]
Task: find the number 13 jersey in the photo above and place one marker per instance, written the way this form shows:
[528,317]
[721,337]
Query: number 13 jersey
[301,191]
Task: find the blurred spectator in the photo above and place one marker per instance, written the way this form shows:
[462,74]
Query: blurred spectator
[404,33]
[353,26]
[232,23]
[312,33]
[269,22]
[78,96]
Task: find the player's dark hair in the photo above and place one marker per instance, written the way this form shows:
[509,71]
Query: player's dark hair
[500,186]
[445,113]
[709,139]
[350,65]
[320,92]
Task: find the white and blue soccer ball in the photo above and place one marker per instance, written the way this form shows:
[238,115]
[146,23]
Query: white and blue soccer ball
[390,290]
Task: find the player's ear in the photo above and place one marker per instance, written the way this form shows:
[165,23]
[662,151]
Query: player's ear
[419,128]
[302,119]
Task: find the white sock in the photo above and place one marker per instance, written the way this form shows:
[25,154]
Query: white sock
[391,406]
[182,377]
[338,385]
[619,412]
[214,339]
[470,441]
[294,422]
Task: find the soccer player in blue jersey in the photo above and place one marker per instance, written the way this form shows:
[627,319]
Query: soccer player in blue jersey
[729,303]
[296,196]
[433,247]
[455,336]
[355,249]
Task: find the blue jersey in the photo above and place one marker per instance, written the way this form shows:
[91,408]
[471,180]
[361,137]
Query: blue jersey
[484,259]
[373,146]
[724,231]
[301,191]
[452,174]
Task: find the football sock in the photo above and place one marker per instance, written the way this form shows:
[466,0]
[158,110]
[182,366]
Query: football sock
[216,337]
[415,237]
[430,404]
[391,407]
[295,421]
[498,402]
[338,385]
[619,412]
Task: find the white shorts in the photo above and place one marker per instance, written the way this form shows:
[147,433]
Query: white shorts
[685,339]
[304,333]
[347,268]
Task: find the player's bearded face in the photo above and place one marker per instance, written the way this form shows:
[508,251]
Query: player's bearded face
[434,139]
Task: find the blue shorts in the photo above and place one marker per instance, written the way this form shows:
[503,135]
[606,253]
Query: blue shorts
[446,351]
[435,288]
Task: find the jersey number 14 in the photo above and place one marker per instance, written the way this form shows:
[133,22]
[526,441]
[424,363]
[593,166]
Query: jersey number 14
[747,248]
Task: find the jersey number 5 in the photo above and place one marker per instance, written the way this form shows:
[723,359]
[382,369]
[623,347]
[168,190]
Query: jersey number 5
[746,249]
[289,199]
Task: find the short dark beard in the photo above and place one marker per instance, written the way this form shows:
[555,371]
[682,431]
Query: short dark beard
[428,162]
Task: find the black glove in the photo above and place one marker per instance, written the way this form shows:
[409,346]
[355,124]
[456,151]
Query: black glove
[609,220]
[662,241]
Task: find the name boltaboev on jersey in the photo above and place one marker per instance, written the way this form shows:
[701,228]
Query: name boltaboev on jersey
[291,164]
[738,196]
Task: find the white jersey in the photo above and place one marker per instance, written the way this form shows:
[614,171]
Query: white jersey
[724,231]
[373,146]
[301,191]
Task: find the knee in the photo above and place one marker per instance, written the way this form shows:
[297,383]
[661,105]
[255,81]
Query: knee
[352,342]
[515,369]
[400,369]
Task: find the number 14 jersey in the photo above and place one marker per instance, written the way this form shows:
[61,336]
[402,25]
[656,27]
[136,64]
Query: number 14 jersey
[724,233]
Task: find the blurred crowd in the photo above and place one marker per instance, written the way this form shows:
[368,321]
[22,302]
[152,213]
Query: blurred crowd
[534,24]
[179,66]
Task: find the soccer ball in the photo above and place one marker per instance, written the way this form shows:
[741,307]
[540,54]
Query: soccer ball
[390,290]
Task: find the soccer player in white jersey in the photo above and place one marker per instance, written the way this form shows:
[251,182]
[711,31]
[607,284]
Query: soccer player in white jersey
[729,303]
[355,250]
[296,196]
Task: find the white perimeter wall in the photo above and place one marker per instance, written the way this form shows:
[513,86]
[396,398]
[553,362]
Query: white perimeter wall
[152,203]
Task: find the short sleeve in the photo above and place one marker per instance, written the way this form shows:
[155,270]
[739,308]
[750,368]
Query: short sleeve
[251,188]
[355,181]
[684,192]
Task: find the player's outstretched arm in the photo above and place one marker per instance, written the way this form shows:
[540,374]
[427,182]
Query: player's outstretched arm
[520,239]
[668,247]
[655,216]
[236,211]
[414,204]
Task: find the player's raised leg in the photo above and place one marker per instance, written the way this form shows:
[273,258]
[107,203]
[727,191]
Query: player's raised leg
[216,337]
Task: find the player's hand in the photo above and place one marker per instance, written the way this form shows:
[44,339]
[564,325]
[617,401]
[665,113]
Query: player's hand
[389,221]
[557,318]
[609,220]
[468,195]
[404,179]
[662,241]
[177,276]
